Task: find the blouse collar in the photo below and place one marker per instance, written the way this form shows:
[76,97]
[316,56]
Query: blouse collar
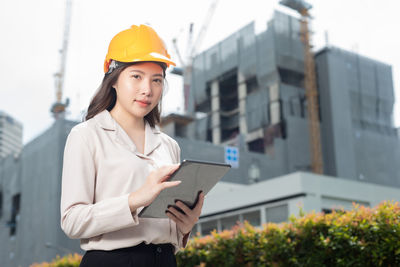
[108,123]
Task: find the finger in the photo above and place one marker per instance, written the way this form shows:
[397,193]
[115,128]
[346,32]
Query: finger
[165,172]
[183,207]
[169,169]
[200,202]
[177,214]
[173,217]
[178,222]
[170,184]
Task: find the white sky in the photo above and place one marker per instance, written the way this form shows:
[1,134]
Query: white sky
[31,35]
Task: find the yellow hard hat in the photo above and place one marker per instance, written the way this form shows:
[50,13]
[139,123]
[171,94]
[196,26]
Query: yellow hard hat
[139,43]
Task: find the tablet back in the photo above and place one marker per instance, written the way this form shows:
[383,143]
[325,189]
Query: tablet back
[196,176]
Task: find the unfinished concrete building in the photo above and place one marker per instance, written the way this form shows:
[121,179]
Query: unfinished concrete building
[249,92]
[357,98]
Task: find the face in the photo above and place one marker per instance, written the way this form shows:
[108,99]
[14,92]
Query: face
[139,88]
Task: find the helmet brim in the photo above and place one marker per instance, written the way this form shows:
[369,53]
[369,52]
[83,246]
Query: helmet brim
[149,57]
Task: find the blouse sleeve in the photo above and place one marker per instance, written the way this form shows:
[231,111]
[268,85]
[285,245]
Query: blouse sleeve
[80,216]
[182,239]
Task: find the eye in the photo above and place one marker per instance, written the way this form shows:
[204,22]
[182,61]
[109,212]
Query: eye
[136,76]
[158,81]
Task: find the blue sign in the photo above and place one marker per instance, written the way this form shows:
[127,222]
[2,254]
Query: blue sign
[232,156]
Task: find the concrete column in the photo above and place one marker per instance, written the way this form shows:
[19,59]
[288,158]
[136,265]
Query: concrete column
[242,94]
[198,228]
[219,225]
[241,217]
[263,215]
[215,116]
[275,109]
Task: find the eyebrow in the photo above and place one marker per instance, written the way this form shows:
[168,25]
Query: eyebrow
[154,75]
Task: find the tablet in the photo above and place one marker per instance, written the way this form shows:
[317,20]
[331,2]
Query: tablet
[196,176]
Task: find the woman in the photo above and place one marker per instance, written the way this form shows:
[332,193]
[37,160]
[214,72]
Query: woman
[116,162]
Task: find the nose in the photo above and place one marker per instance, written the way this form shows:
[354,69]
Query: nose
[146,87]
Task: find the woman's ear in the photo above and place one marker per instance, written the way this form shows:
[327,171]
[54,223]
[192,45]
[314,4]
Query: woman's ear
[114,86]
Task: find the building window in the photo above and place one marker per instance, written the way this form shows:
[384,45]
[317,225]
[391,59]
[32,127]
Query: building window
[253,217]
[208,227]
[257,145]
[205,105]
[252,85]
[277,214]
[14,214]
[328,211]
[291,77]
[209,135]
[228,222]
[10,120]
[180,130]
[303,106]
[229,106]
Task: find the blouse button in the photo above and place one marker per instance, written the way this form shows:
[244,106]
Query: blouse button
[159,249]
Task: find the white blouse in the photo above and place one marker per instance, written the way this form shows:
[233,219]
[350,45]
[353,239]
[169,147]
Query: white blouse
[101,167]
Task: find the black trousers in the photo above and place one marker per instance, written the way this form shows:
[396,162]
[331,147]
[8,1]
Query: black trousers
[160,255]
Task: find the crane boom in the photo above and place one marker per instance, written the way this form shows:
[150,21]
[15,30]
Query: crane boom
[203,29]
[174,42]
[191,53]
[58,108]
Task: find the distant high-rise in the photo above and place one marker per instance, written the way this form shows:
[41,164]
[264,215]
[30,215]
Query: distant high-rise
[10,135]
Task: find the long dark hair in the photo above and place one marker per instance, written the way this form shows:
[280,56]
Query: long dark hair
[106,97]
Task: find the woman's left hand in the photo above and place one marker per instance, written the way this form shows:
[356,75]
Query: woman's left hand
[185,221]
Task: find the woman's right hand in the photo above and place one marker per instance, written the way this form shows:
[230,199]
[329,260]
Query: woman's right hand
[155,183]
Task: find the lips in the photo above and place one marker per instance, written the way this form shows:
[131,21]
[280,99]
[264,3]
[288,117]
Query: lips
[143,102]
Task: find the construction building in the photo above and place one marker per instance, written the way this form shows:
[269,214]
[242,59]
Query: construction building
[249,89]
[247,93]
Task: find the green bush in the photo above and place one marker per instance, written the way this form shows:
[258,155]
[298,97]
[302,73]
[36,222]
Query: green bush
[360,237]
[70,260]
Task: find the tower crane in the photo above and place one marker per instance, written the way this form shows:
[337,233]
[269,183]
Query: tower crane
[58,108]
[191,50]
[310,84]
